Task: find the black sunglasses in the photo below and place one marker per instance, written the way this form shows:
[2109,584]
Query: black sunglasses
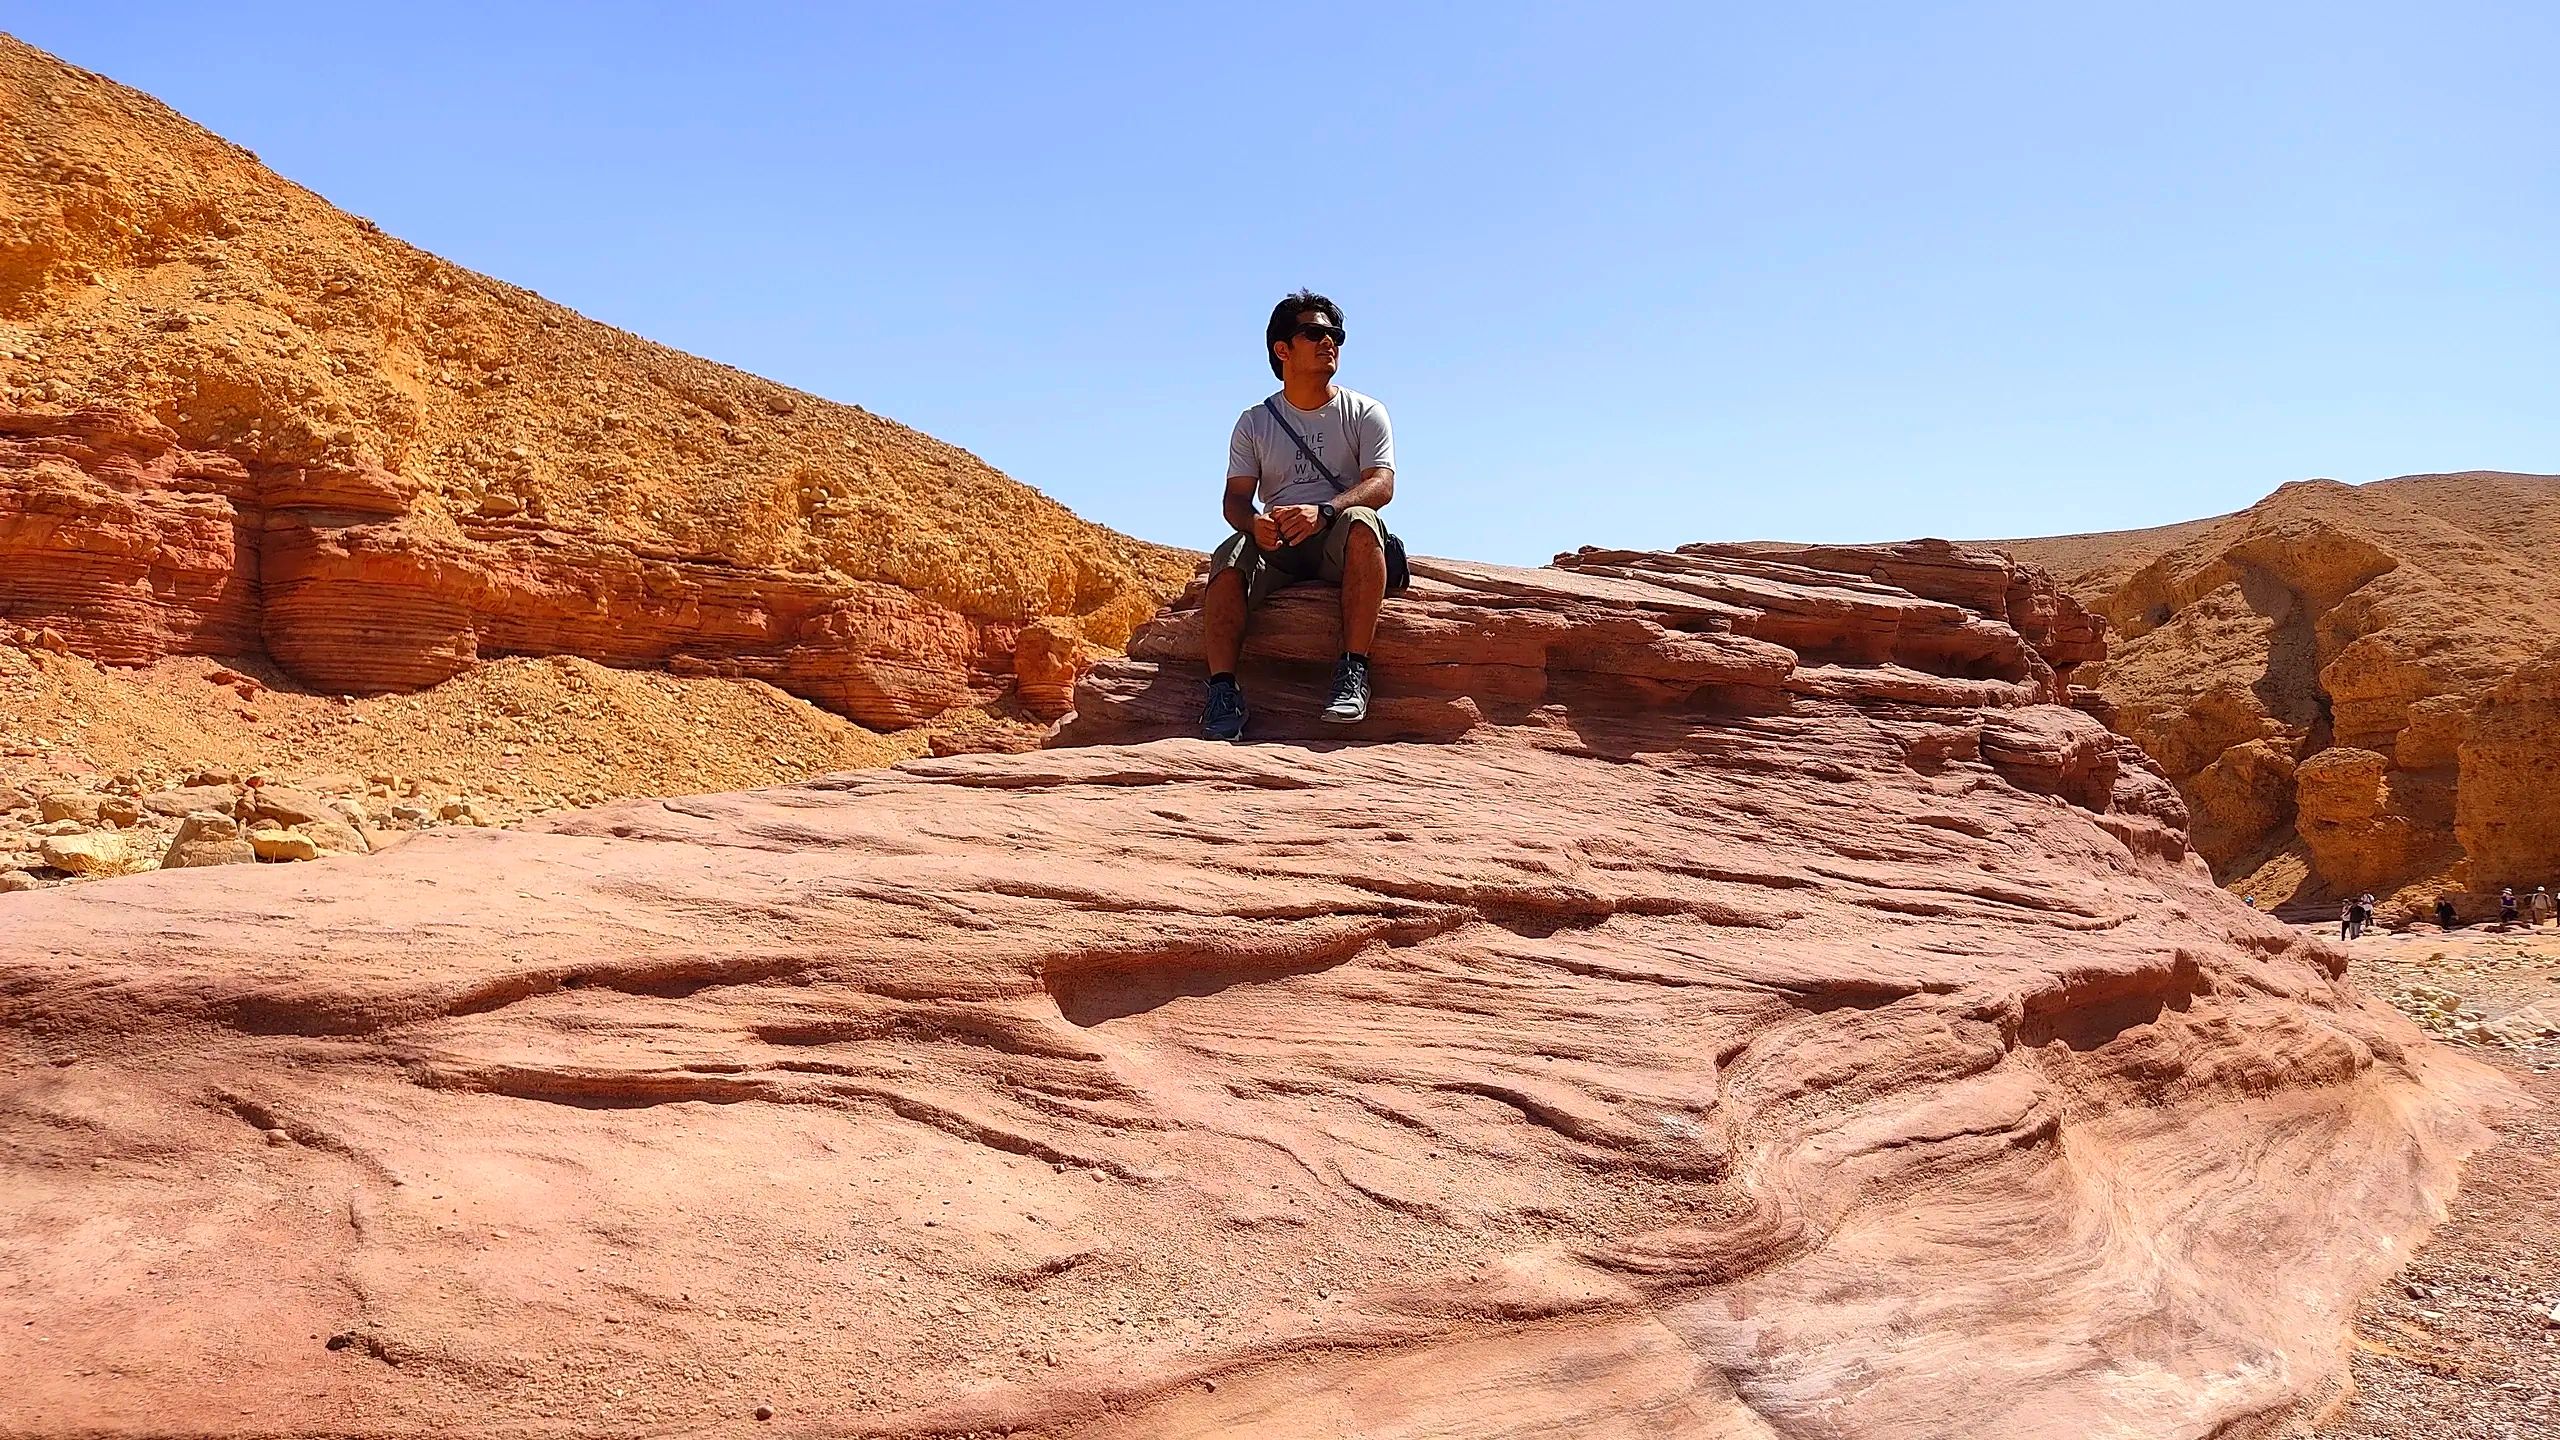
[1321,332]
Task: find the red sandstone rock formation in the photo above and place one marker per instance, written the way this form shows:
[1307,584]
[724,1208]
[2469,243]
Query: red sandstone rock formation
[1648,1026]
[234,418]
[2341,679]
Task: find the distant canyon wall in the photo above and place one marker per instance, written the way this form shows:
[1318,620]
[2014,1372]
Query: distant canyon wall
[2355,687]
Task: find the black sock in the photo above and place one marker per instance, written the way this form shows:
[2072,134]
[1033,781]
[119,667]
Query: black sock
[1227,675]
[1355,655]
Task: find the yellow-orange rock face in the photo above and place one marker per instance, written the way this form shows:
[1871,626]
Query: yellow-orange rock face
[2507,814]
[233,417]
[2318,673]
[1644,1027]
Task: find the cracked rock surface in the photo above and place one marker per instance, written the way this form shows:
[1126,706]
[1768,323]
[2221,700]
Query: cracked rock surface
[1717,995]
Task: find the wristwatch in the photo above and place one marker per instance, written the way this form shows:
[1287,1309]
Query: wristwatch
[1326,512]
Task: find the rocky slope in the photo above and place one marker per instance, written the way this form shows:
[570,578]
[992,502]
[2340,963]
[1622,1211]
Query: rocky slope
[1721,994]
[100,766]
[2465,1343]
[2355,687]
[235,420]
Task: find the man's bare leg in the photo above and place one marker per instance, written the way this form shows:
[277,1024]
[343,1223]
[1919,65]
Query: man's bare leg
[1222,621]
[1364,589]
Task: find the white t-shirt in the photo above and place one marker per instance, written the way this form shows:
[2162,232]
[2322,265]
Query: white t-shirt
[1348,432]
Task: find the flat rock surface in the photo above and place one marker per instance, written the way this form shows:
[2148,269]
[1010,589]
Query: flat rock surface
[1688,1033]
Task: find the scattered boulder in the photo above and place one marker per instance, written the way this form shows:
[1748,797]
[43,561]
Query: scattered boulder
[245,686]
[91,853]
[208,840]
[77,805]
[282,845]
[335,835]
[282,805]
[13,881]
[121,811]
[188,799]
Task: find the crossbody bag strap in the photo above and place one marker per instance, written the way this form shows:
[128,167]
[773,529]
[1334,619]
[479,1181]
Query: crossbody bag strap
[1300,441]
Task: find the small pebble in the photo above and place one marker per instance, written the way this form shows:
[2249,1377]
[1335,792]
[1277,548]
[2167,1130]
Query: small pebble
[278,1137]
[764,1412]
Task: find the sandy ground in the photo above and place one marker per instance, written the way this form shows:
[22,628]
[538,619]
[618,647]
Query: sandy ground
[519,736]
[2465,1342]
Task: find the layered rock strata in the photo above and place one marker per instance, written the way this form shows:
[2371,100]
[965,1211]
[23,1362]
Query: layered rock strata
[133,548]
[234,419]
[1647,1026]
[2341,680]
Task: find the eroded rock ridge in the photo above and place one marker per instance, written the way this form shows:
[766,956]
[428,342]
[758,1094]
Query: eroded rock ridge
[1722,994]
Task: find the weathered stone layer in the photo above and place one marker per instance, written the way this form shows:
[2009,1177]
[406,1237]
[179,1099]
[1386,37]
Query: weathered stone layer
[134,547]
[1692,1038]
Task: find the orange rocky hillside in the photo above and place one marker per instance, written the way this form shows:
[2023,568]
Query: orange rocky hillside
[236,421]
[2356,687]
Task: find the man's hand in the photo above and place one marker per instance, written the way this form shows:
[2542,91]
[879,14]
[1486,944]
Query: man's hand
[1266,532]
[1297,522]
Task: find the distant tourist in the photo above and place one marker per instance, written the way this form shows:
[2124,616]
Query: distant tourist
[2350,918]
[2445,918]
[2507,906]
[2542,904]
[2249,900]
[1321,462]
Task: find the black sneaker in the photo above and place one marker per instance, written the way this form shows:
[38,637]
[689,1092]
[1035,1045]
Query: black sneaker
[1224,717]
[1350,703]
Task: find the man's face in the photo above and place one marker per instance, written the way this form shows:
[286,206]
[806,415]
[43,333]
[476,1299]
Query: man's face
[1315,347]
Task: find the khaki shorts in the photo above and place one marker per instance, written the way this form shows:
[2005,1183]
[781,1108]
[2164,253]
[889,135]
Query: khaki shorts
[1318,557]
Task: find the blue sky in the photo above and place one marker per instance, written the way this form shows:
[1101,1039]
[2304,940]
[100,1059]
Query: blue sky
[1623,274]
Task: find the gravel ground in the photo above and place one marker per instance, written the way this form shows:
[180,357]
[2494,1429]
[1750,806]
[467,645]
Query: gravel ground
[2464,1344]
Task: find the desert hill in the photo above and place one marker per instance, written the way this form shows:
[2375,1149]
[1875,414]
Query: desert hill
[237,421]
[1720,995]
[2356,687]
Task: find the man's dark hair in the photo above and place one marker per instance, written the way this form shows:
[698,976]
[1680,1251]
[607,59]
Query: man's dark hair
[1284,322]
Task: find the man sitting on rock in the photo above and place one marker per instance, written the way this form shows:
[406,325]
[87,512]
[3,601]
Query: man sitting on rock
[1321,461]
